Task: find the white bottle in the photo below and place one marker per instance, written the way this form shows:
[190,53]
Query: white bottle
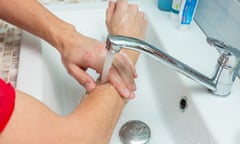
[176,5]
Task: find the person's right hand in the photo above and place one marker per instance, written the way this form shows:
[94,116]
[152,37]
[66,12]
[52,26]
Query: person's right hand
[79,52]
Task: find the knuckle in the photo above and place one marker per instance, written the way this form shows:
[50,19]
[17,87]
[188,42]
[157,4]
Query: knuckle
[141,14]
[134,7]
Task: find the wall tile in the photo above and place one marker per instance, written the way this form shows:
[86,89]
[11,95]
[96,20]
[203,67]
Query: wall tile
[9,51]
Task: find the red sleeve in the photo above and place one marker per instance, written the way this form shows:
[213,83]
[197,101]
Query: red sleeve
[7,101]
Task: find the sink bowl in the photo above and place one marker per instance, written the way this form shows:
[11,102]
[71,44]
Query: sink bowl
[162,100]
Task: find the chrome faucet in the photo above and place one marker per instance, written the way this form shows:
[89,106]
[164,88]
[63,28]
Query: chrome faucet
[226,71]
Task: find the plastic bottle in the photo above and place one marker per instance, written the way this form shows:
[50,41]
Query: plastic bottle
[165,5]
[186,13]
[176,4]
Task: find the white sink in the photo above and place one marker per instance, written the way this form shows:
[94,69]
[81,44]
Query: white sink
[160,89]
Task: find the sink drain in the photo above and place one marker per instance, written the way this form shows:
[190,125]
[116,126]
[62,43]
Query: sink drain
[183,104]
[135,132]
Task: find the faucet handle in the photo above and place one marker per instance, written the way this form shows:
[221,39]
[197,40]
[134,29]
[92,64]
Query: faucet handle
[230,51]
[222,47]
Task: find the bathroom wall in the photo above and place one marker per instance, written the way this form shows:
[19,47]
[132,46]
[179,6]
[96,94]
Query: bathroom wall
[220,19]
[9,51]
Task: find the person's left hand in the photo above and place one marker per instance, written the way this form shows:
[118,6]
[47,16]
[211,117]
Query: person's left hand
[125,19]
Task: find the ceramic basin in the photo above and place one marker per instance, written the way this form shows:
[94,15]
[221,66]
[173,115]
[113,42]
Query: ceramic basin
[162,99]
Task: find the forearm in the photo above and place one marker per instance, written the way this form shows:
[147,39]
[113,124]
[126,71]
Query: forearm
[34,18]
[92,122]
[97,115]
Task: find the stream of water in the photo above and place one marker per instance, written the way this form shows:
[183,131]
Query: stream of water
[107,65]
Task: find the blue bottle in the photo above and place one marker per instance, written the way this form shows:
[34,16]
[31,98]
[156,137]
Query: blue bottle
[165,5]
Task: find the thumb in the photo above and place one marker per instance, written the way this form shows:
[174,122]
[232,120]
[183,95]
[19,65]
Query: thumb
[82,77]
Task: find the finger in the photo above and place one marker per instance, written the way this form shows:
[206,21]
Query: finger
[145,29]
[121,5]
[141,16]
[133,8]
[141,20]
[124,69]
[110,11]
[130,62]
[117,82]
[82,77]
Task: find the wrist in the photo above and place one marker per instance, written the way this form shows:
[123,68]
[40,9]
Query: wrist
[60,35]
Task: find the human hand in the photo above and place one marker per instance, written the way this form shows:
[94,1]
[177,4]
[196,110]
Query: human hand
[125,19]
[79,53]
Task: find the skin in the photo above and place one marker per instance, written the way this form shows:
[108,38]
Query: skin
[78,52]
[94,119]
[117,21]
[92,122]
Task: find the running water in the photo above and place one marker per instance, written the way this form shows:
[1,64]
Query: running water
[106,67]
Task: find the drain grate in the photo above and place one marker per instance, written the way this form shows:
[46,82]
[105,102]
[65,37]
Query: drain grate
[135,132]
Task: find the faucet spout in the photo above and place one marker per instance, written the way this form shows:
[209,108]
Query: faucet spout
[218,84]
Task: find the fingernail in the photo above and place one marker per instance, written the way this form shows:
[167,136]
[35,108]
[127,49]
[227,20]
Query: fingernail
[134,87]
[126,92]
[90,86]
[135,75]
[132,95]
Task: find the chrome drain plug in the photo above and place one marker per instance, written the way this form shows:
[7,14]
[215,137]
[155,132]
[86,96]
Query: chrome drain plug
[135,132]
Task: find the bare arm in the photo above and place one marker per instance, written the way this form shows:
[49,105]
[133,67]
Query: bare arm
[33,17]
[75,48]
[92,122]
[126,20]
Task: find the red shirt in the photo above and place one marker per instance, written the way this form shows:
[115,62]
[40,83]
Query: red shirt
[7,101]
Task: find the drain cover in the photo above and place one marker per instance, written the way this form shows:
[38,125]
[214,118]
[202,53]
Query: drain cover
[135,132]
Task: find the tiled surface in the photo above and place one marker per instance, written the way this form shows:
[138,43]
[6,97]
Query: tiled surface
[9,51]
[10,45]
